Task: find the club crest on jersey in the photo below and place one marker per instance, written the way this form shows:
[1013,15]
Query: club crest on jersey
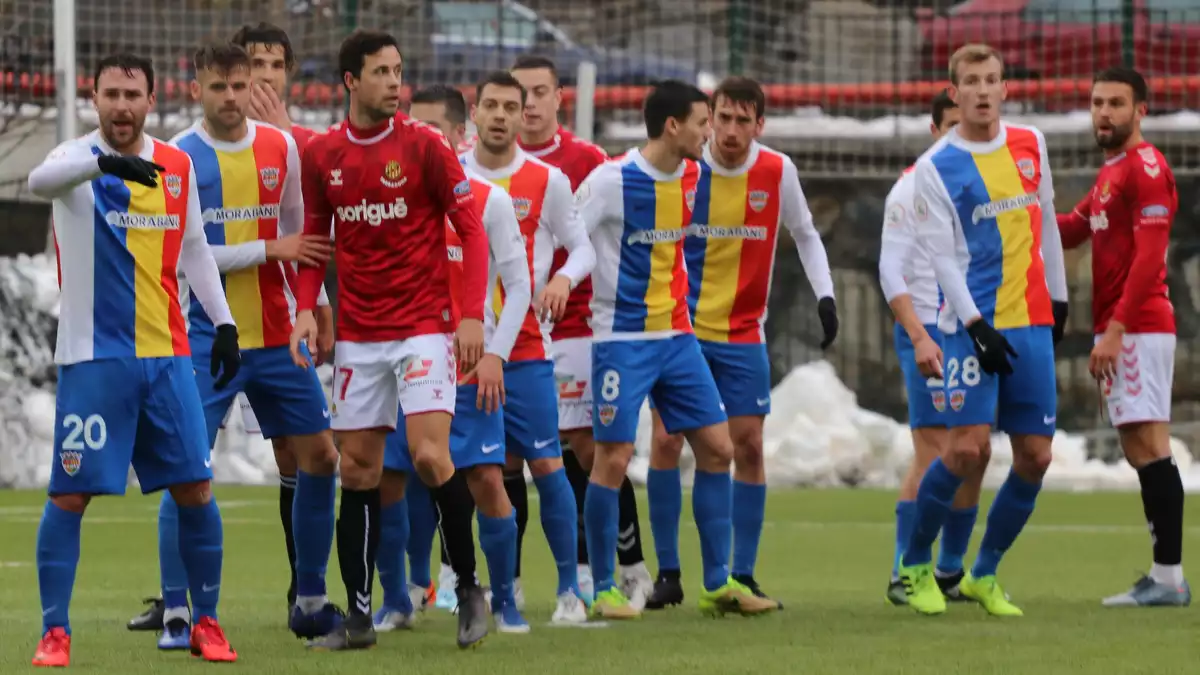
[957,398]
[393,175]
[70,461]
[269,176]
[1025,166]
[522,206]
[174,183]
[758,199]
[1105,195]
[690,198]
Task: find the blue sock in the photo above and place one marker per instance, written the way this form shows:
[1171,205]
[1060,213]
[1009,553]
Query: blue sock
[57,560]
[498,540]
[202,547]
[1010,511]
[172,573]
[956,537]
[422,522]
[712,506]
[749,510]
[560,522]
[393,541]
[601,508]
[665,492]
[906,512]
[312,523]
[934,497]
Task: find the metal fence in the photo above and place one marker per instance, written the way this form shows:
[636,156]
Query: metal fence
[849,83]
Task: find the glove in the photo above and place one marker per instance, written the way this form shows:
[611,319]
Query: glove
[991,348]
[130,167]
[827,311]
[1059,308]
[226,355]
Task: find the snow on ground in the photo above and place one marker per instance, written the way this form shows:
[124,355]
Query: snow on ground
[816,435]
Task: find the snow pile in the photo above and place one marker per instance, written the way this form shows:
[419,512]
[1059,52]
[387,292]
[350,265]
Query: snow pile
[816,436]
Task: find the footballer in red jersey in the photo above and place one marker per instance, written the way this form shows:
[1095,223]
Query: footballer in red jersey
[387,183]
[571,338]
[1128,216]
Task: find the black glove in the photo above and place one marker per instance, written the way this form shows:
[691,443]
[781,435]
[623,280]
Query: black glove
[130,167]
[827,310]
[1060,319]
[226,355]
[991,348]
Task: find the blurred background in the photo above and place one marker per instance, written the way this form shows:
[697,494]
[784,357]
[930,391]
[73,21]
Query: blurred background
[849,84]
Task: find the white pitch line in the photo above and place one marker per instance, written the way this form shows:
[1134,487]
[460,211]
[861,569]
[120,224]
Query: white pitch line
[1064,528]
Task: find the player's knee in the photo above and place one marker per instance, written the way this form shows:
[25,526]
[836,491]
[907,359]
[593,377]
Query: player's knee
[665,448]
[71,503]
[513,464]
[432,463]
[315,454]
[748,448]
[963,455]
[1032,465]
[544,466]
[610,463]
[391,487]
[1144,443]
[359,471]
[285,459]
[196,493]
[582,445]
[486,483]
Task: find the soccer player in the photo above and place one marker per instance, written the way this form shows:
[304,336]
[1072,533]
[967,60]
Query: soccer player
[730,261]
[1128,216]
[545,207]
[983,205]
[477,432]
[571,338]
[637,210]
[250,194]
[387,183]
[906,274]
[126,219]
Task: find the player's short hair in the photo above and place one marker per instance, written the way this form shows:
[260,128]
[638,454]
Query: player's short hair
[452,98]
[941,103]
[669,99]
[535,62]
[500,78]
[1125,75]
[360,44]
[129,64]
[267,34]
[973,53]
[742,90]
[221,57]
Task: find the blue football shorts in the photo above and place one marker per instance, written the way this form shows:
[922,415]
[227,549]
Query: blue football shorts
[926,396]
[1025,402]
[531,410]
[113,413]
[476,437]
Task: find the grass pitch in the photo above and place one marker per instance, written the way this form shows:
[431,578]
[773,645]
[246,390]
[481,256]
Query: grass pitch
[825,553]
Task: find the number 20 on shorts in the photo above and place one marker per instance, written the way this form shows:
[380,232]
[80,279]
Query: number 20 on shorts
[965,373]
[90,432]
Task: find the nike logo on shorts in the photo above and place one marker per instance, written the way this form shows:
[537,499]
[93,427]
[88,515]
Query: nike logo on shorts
[209,589]
[208,463]
[489,449]
[538,445]
[763,402]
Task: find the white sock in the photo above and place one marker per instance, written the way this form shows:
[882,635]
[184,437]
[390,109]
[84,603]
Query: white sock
[1170,575]
[638,570]
[172,613]
[311,604]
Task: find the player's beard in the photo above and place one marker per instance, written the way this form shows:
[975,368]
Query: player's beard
[120,138]
[1118,134]
[498,148]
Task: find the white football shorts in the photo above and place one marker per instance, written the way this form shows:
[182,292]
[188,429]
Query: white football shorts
[373,380]
[1141,391]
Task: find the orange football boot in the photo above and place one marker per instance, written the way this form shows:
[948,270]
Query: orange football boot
[54,650]
[209,643]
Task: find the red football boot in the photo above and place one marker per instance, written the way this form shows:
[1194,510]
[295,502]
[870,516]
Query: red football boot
[209,643]
[54,651]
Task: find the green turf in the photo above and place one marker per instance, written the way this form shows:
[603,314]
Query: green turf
[825,553]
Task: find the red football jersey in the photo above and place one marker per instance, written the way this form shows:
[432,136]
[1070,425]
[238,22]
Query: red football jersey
[302,135]
[576,158]
[387,192]
[1128,216]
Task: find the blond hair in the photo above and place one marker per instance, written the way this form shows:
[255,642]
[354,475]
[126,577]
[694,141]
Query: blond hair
[973,53]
